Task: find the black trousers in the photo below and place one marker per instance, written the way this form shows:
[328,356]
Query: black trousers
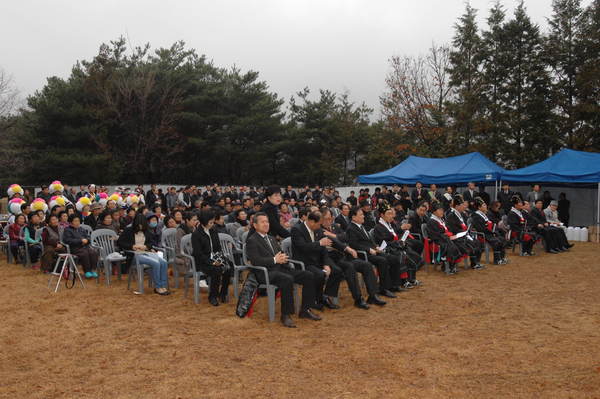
[383,268]
[473,248]
[285,279]
[329,286]
[219,280]
[353,266]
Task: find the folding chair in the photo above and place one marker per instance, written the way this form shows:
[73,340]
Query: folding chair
[64,267]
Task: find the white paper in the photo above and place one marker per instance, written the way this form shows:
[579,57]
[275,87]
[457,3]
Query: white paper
[405,235]
[383,245]
[461,234]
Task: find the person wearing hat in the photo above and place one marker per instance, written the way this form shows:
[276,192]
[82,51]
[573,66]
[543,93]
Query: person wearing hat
[456,220]
[92,219]
[518,226]
[385,230]
[486,228]
[271,208]
[440,235]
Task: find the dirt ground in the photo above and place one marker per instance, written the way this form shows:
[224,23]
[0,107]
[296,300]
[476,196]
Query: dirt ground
[530,329]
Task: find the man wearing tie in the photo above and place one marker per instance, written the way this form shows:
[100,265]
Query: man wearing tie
[313,253]
[358,238]
[418,195]
[535,194]
[263,250]
[469,195]
[343,219]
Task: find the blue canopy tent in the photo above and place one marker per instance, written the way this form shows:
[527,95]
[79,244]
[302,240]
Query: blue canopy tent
[566,166]
[460,169]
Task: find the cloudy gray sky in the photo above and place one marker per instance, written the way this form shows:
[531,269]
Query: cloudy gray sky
[342,45]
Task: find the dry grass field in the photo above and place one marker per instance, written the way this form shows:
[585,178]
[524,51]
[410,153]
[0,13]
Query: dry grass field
[530,329]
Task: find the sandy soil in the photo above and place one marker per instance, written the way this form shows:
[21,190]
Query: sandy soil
[530,329]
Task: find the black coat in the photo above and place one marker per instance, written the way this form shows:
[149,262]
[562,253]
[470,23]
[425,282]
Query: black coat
[414,196]
[275,227]
[454,224]
[201,247]
[306,251]
[358,239]
[341,220]
[436,232]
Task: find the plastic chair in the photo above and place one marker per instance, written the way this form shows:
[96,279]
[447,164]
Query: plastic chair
[104,241]
[5,243]
[186,253]
[231,228]
[228,247]
[168,244]
[26,245]
[140,269]
[87,228]
[239,233]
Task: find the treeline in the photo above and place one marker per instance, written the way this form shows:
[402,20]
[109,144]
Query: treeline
[170,115]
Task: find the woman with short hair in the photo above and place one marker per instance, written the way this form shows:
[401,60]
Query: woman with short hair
[78,240]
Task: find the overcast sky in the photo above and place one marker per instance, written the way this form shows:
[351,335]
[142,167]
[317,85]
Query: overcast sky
[342,45]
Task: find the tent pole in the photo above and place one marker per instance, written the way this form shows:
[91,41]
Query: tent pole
[598,215]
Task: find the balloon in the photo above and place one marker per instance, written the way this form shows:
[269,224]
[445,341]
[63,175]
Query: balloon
[132,199]
[14,189]
[102,199]
[56,186]
[39,204]
[83,201]
[14,205]
[57,200]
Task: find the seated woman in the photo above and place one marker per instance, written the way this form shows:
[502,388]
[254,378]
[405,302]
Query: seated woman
[170,222]
[284,214]
[440,234]
[385,230]
[105,221]
[241,220]
[456,221]
[517,223]
[205,243]
[482,223]
[42,217]
[14,232]
[34,246]
[154,227]
[63,219]
[78,241]
[51,243]
[138,238]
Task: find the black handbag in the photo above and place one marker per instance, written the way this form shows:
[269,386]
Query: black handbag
[247,296]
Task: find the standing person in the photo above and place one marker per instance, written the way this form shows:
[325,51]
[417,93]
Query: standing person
[505,196]
[263,250]
[138,238]
[78,240]
[433,194]
[418,194]
[352,200]
[547,198]
[469,195]
[205,244]
[271,208]
[563,208]
[534,195]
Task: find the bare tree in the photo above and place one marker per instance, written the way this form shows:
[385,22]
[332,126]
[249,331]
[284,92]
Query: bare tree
[9,95]
[414,103]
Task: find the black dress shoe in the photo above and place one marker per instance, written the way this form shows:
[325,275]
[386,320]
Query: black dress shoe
[361,304]
[287,321]
[328,302]
[318,306]
[213,301]
[387,293]
[308,314]
[375,301]
[552,251]
[570,246]
[397,289]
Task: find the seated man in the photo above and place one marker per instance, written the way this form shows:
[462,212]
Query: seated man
[517,222]
[440,235]
[359,239]
[456,220]
[313,253]
[263,250]
[347,259]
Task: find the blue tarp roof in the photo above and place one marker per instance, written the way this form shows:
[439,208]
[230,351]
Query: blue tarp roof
[461,169]
[566,166]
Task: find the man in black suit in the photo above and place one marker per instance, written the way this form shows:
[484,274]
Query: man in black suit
[347,259]
[358,238]
[271,208]
[505,198]
[418,194]
[312,251]
[263,250]
[343,219]
[469,195]
[433,194]
[290,193]
[417,218]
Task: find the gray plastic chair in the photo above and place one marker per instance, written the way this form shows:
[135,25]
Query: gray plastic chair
[5,243]
[104,241]
[140,270]
[238,234]
[26,245]
[168,244]
[87,228]
[186,253]
[231,228]
[228,248]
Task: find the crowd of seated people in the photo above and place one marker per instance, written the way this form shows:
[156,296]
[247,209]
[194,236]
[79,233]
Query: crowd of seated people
[384,237]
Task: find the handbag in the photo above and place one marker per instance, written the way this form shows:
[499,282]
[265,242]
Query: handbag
[247,296]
